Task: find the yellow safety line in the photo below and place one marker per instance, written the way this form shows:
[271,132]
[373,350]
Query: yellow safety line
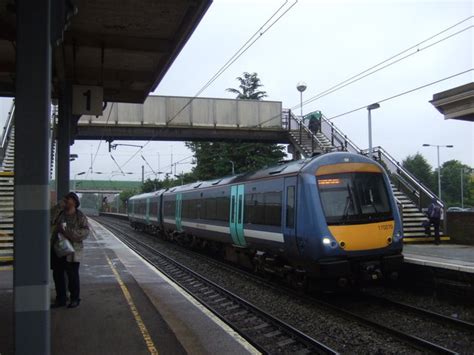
[138,319]
[7,173]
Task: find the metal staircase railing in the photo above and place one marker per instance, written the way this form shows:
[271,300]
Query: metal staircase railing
[6,131]
[420,195]
[294,123]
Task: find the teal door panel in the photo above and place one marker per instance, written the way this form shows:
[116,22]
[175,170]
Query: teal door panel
[240,215]
[232,215]
[236,220]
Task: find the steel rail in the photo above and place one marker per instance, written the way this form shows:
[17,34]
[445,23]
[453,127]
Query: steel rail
[191,281]
[415,341]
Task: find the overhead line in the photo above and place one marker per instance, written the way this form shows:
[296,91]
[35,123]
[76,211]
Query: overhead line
[232,60]
[338,86]
[403,93]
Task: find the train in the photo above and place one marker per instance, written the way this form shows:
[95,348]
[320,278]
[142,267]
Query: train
[332,217]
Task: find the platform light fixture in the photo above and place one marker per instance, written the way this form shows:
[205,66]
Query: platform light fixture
[374,106]
[301,86]
[439,165]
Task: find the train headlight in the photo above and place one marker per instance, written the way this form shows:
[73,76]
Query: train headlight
[329,243]
[398,236]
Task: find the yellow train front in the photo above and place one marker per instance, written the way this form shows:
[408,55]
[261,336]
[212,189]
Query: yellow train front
[349,226]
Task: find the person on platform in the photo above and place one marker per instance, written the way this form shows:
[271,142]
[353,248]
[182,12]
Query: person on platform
[71,223]
[434,219]
[314,124]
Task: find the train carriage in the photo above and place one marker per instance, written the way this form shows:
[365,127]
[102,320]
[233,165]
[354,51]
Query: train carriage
[333,216]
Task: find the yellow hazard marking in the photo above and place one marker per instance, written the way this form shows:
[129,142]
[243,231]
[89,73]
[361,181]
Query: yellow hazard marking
[7,173]
[423,239]
[138,319]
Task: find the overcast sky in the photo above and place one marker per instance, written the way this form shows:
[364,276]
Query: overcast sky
[323,43]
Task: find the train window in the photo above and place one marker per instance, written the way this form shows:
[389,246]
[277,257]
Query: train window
[273,208]
[169,208]
[210,208]
[222,208]
[263,208]
[354,198]
[290,207]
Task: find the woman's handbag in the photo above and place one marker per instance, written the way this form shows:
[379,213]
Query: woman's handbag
[62,246]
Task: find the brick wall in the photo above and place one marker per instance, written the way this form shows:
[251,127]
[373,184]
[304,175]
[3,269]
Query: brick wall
[461,227]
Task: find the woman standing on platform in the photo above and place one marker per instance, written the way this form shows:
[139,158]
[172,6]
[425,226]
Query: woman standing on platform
[72,224]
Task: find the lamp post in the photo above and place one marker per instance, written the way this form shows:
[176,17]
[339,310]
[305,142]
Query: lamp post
[75,176]
[439,165]
[233,167]
[301,86]
[369,109]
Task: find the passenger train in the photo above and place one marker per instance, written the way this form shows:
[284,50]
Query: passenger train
[331,217]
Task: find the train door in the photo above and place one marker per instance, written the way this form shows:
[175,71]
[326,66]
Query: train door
[236,220]
[179,204]
[289,201]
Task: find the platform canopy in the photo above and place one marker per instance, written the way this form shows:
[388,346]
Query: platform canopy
[456,103]
[124,46]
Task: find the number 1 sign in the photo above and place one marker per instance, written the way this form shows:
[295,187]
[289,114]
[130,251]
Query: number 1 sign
[87,100]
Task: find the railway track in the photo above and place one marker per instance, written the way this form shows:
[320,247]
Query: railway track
[416,341]
[265,332]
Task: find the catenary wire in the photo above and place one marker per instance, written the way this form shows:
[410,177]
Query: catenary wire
[403,93]
[224,68]
[358,76]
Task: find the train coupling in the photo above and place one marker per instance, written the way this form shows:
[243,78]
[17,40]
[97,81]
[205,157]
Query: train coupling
[371,271]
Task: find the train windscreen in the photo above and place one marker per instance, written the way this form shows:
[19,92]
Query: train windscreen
[354,198]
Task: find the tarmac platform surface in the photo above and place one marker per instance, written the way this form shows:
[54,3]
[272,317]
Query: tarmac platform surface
[445,256]
[127,307]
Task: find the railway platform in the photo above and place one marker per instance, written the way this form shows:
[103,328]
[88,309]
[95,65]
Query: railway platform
[454,257]
[127,307]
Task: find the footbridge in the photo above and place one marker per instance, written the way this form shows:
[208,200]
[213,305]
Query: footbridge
[187,118]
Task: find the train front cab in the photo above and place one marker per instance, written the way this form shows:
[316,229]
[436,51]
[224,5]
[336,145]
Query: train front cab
[359,223]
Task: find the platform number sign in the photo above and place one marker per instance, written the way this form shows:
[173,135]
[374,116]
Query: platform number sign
[87,100]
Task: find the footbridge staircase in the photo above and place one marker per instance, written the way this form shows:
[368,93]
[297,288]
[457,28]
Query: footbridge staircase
[412,196]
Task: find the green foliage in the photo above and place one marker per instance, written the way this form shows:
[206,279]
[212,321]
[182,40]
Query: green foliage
[153,185]
[126,194]
[451,172]
[419,166]
[249,87]
[450,179]
[214,159]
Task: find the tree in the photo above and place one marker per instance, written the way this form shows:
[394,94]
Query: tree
[249,85]
[126,194]
[420,168]
[451,182]
[153,185]
[214,159]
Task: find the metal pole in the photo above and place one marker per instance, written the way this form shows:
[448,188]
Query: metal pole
[64,134]
[439,175]
[301,104]
[370,134]
[233,167]
[462,187]
[32,154]
[143,174]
